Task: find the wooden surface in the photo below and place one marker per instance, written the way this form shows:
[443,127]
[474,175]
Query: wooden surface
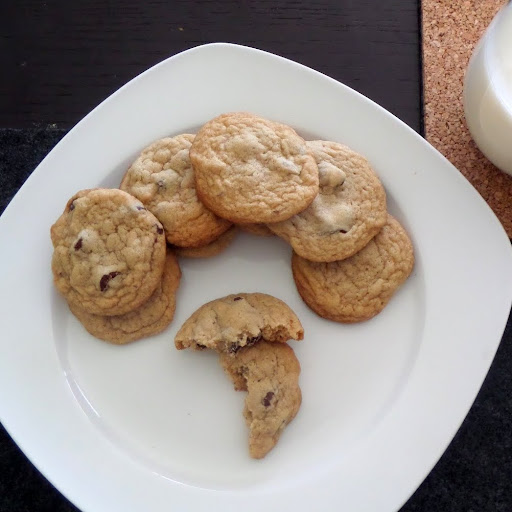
[451,30]
[59,59]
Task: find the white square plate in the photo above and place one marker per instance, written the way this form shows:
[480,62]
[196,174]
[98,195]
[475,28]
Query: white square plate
[145,427]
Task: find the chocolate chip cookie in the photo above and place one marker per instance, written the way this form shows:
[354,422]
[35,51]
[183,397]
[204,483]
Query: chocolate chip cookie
[359,287]
[109,252]
[239,320]
[148,319]
[252,170]
[162,178]
[348,212]
[269,372]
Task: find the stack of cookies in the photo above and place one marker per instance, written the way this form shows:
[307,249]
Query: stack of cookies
[324,199]
[111,263]
[114,249]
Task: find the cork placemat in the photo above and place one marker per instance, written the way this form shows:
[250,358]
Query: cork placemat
[450,31]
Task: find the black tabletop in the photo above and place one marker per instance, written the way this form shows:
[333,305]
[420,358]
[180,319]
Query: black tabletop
[59,59]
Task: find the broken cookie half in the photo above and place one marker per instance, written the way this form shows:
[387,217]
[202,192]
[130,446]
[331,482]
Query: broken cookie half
[250,331]
[240,320]
[269,372]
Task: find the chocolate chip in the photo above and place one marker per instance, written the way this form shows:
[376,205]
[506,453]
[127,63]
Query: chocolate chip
[140,208]
[72,206]
[105,280]
[233,348]
[200,347]
[159,229]
[267,398]
[251,341]
[343,231]
[238,298]
[78,244]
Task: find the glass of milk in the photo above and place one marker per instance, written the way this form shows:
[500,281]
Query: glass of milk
[488,91]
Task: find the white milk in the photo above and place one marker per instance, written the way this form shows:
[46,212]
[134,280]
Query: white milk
[488,92]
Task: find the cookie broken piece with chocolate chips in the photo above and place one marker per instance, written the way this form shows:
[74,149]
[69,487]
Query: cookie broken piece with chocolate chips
[239,320]
[269,372]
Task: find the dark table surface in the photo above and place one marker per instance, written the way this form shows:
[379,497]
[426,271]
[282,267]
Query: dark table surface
[59,59]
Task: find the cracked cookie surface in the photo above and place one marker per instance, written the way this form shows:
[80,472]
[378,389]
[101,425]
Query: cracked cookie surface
[210,250]
[348,212]
[109,252]
[148,319]
[162,177]
[359,287]
[235,321]
[269,372]
[252,170]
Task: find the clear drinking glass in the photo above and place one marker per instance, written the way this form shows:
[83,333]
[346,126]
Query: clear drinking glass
[488,91]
